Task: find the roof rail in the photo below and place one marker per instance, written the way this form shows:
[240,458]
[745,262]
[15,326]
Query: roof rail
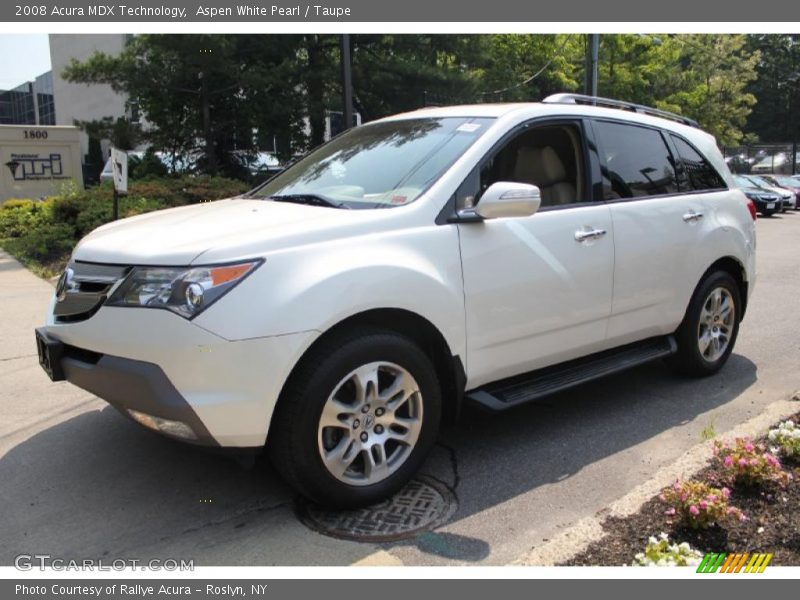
[620,104]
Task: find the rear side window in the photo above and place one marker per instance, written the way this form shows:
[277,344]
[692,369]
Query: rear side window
[637,161]
[699,172]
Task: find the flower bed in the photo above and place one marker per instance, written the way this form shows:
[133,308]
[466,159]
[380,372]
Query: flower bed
[765,503]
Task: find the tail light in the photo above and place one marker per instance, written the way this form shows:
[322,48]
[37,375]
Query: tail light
[751,206]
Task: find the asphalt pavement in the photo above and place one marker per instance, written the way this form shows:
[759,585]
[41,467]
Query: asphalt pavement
[77,480]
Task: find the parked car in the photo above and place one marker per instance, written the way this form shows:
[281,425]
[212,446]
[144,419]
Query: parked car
[339,313]
[786,196]
[787,183]
[766,202]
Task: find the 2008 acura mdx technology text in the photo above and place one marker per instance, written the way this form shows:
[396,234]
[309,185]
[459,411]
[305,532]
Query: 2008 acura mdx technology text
[340,312]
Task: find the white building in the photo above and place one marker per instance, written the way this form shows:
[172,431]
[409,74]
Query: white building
[78,101]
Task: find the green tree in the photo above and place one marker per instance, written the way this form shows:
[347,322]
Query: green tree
[526,68]
[774,117]
[207,95]
[715,73]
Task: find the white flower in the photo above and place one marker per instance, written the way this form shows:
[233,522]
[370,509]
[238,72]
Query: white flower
[760,530]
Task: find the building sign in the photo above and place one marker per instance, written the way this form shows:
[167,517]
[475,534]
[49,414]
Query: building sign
[33,167]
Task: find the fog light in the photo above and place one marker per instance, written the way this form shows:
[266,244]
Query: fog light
[176,429]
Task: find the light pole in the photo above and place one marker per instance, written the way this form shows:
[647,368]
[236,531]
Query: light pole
[592,51]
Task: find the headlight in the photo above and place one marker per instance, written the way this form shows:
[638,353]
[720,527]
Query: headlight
[186,291]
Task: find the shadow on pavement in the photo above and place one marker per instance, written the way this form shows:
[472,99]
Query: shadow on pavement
[97,485]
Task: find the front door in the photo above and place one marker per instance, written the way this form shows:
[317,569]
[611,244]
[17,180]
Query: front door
[537,289]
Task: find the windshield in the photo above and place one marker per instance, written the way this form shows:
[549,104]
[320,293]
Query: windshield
[742,182]
[378,165]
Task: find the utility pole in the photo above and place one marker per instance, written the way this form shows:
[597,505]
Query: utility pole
[592,51]
[347,83]
[210,153]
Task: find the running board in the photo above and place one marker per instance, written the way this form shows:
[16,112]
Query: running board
[507,393]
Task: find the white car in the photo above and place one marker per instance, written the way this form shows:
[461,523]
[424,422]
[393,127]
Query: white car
[339,313]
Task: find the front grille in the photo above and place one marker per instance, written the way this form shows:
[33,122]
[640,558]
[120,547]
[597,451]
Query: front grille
[83,288]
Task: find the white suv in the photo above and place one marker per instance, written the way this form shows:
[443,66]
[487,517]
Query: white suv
[341,311]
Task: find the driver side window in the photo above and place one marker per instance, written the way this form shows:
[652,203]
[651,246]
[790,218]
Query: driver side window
[548,156]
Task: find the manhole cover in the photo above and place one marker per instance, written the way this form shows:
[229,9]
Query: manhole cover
[420,506]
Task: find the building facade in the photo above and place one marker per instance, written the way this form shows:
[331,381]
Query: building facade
[78,101]
[31,103]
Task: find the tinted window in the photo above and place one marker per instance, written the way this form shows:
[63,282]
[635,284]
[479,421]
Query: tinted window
[700,173]
[637,161]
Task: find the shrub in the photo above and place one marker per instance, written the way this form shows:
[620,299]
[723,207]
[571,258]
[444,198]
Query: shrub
[699,505]
[44,243]
[787,438]
[748,463]
[659,552]
[20,216]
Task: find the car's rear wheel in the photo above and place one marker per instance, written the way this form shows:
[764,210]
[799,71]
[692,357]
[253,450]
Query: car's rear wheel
[357,418]
[709,329]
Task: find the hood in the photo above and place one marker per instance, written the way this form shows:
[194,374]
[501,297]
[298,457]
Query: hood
[757,191]
[179,236]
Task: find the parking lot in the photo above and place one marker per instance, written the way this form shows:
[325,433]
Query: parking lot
[77,480]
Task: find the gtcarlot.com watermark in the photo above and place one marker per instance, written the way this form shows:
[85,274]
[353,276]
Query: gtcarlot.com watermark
[29,562]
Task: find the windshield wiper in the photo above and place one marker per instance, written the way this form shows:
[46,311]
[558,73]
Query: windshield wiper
[310,199]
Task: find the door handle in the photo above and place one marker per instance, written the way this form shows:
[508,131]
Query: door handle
[583,235]
[692,216]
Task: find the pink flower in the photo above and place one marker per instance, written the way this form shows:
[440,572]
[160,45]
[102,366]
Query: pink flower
[669,512]
[742,462]
[703,504]
[728,461]
[743,517]
[774,462]
[712,498]
[726,493]
[677,485]
[694,510]
[749,447]
[753,462]
[684,496]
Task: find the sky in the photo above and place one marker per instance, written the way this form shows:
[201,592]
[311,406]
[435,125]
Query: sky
[23,58]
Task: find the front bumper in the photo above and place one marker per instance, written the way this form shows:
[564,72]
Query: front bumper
[159,364]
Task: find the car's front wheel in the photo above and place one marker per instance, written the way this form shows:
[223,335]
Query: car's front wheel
[708,332]
[357,418]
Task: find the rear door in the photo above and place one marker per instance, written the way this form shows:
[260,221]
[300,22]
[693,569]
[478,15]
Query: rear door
[658,224]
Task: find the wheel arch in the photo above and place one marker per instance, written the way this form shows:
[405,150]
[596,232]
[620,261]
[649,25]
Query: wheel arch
[735,269]
[449,367]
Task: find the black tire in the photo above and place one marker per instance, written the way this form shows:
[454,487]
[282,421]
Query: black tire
[293,439]
[689,360]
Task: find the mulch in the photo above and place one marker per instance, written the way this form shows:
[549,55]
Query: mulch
[773,526]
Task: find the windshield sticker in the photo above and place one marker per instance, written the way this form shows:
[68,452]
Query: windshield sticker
[468,127]
[399,199]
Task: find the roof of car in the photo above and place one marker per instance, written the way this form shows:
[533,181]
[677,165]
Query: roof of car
[534,109]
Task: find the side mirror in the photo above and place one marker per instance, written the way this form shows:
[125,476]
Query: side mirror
[509,199]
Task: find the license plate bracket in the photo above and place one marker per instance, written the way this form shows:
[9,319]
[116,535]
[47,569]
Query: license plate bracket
[50,353]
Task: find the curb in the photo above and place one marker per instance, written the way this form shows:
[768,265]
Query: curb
[577,538]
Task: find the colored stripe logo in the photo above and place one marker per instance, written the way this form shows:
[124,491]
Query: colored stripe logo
[723,562]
